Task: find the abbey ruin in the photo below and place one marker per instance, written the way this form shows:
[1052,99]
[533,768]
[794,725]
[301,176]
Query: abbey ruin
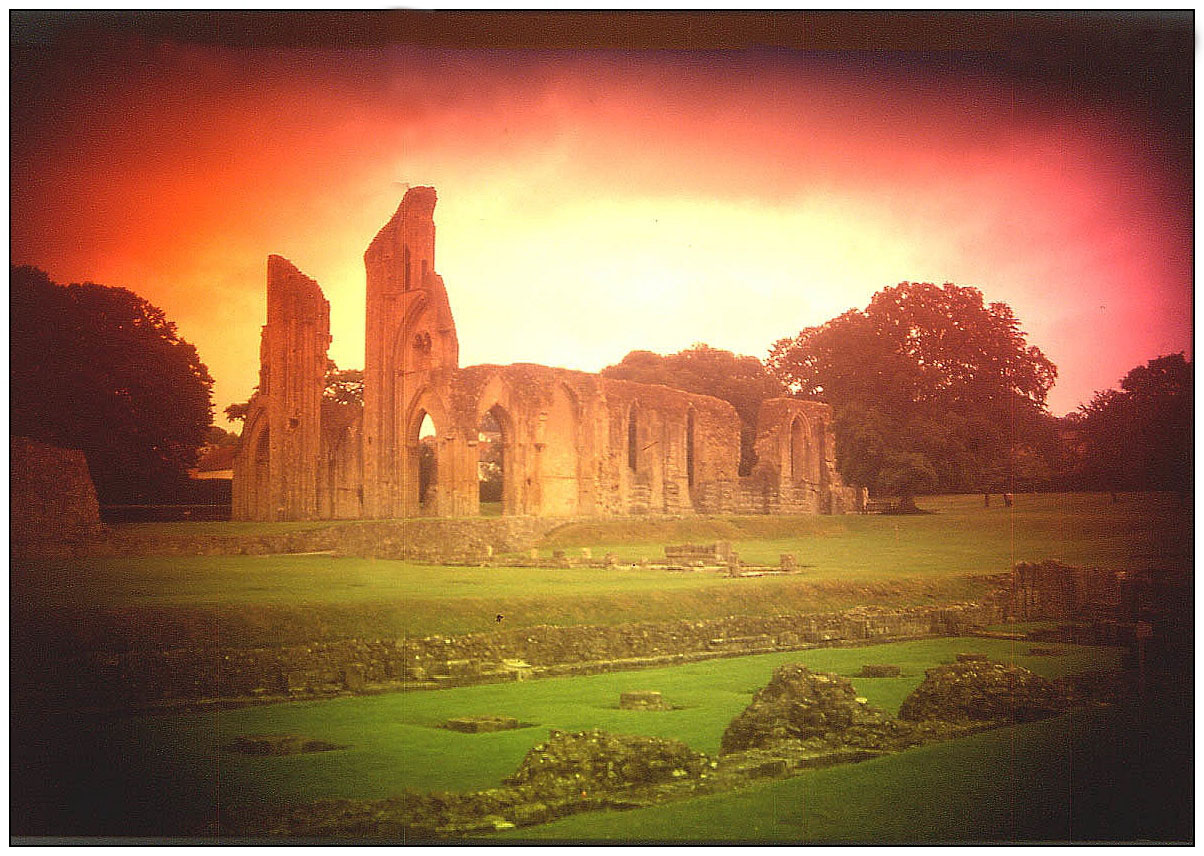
[571,444]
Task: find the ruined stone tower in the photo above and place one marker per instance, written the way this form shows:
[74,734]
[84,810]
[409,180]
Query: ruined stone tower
[411,347]
[284,424]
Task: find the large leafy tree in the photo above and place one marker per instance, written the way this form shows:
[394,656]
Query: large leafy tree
[931,388]
[102,370]
[739,380]
[1140,436]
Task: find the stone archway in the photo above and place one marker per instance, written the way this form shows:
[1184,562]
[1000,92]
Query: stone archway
[495,462]
[426,483]
[256,501]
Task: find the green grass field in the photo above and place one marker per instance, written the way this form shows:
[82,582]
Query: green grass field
[166,774]
[1111,775]
[847,560]
[115,768]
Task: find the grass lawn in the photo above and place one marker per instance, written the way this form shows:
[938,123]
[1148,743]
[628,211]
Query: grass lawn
[848,560]
[960,536]
[129,774]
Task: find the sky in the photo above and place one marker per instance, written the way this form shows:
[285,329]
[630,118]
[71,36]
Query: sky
[615,182]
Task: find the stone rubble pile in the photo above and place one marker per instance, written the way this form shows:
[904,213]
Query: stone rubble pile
[570,762]
[801,705]
[974,689]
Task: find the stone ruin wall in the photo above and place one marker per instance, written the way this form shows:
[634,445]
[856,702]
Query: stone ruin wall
[52,501]
[185,675]
[148,678]
[574,444]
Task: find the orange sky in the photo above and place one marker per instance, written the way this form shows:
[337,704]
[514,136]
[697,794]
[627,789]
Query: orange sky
[592,202]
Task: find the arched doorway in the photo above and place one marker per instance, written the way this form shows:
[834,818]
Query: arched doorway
[491,463]
[428,465]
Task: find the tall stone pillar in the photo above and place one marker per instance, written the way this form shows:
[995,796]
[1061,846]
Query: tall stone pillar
[295,341]
[410,350]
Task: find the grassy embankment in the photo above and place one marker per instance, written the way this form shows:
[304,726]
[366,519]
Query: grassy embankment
[847,560]
[166,774]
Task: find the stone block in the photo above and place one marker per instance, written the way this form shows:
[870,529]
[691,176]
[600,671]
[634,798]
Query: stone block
[880,670]
[482,724]
[642,700]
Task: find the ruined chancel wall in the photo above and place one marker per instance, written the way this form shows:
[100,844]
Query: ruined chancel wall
[567,443]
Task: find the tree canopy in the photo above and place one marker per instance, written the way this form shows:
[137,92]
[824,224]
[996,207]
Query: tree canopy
[1140,436]
[101,370]
[342,386]
[930,386]
[741,381]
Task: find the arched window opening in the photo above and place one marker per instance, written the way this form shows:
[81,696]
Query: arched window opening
[633,450]
[428,473]
[491,462]
[690,448]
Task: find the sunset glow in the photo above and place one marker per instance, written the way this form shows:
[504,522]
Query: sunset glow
[592,202]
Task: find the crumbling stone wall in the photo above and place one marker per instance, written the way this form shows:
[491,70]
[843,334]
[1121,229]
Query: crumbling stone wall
[1054,590]
[52,498]
[150,677]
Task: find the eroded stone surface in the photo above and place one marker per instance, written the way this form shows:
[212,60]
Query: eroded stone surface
[52,499]
[800,705]
[880,670]
[580,761]
[978,690]
[643,700]
[479,724]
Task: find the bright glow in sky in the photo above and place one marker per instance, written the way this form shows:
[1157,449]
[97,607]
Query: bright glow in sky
[594,202]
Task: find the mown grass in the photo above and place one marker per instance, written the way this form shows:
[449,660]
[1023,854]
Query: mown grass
[959,536]
[112,770]
[847,560]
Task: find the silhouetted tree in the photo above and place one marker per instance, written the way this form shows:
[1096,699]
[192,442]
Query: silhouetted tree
[739,380]
[1140,436]
[344,386]
[930,388]
[102,370]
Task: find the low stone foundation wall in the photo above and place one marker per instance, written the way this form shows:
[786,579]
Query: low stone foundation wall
[182,676]
[430,539]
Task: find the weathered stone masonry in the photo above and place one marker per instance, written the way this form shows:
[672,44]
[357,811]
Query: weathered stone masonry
[571,444]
